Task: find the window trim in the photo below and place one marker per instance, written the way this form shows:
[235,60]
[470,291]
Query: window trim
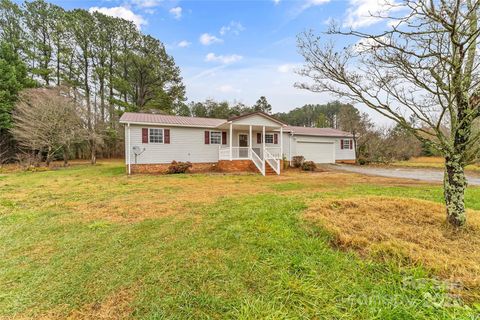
[273,138]
[150,135]
[220,137]
[346,144]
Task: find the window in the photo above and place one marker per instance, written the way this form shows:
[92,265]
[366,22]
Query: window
[346,144]
[156,135]
[268,138]
[215,137]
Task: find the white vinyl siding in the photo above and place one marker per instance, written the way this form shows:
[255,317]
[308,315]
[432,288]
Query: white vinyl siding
[256,120]
[345,153]
[186,144]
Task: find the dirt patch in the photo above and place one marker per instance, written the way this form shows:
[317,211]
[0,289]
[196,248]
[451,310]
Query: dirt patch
[408,231]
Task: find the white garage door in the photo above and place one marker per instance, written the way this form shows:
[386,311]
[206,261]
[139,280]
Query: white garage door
[318,152]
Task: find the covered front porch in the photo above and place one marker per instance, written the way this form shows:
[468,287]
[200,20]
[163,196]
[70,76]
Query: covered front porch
[258,138]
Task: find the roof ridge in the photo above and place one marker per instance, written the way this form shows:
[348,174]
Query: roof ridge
[174,115]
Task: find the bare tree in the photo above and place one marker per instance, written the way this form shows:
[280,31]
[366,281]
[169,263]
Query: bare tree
[351,120]
[47,121]
[424,65]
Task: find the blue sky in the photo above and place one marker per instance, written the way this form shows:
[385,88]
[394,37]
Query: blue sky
[238,50]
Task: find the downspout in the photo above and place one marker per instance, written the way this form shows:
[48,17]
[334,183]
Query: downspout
[129,151]
[290,149]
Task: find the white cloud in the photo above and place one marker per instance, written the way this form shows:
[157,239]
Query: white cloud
[146,3]
[212,57]
[257,79]
[121,12]
[276,2]
[233,27]
[184,44]
[226,88]
[304,5]
[313,3]
[286,68]
[359,13]
[207,39]
[176,12]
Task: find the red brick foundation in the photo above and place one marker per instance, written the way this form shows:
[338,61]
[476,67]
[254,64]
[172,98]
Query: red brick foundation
[236,166]
[346,161]
[163,167]
[220,166]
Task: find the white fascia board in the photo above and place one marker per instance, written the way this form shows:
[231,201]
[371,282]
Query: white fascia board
[167,124]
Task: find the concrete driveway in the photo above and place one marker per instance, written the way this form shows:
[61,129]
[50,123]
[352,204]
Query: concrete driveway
[430,175]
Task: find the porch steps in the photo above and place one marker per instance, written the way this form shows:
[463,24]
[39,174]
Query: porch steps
[269,170]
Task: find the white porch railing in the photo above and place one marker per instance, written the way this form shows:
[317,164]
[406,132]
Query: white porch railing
[272,161]
[259,163]
[238,153]
[276,152]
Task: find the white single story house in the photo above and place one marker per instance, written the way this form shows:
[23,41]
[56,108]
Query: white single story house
[254,141]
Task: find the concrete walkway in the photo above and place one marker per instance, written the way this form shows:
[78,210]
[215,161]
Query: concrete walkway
[430,175]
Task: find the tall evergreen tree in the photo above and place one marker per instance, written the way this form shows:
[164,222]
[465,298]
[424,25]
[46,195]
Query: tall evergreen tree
[262,105]
[13,78]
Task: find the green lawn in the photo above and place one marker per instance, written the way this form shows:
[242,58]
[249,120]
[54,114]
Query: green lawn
[90,242]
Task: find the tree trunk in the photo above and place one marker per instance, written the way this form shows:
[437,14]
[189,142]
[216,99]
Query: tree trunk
[455,184]
[65,156]
[93,152]
[48,159]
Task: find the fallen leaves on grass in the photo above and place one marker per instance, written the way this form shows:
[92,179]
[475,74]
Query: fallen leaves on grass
[406,230]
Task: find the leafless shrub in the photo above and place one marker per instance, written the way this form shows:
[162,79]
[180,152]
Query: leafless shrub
[297,161]
[46,121]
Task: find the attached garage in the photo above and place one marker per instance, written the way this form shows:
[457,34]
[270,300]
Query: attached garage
[316,151]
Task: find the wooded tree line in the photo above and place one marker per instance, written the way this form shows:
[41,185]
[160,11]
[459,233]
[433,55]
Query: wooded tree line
[223,109]
[108,65]
[374,144]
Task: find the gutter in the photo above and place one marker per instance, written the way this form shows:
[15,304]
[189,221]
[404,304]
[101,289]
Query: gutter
[169,124]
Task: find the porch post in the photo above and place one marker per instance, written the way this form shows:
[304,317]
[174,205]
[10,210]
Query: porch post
[281,148]
[231,140]
[263,142]
[281,143]
[250,146]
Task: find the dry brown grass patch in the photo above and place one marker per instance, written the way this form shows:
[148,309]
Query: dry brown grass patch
[407,230]
[116,306]
[159,196]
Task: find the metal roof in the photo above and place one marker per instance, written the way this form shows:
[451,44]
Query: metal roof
[147,118]
[322,132]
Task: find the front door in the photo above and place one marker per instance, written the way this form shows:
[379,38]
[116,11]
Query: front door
[243,140]
[243,144]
